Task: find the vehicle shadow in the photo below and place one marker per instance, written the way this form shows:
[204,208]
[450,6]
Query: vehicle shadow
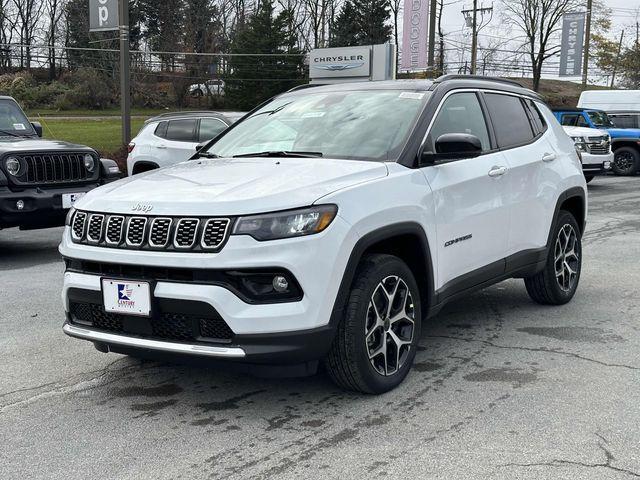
[24,249]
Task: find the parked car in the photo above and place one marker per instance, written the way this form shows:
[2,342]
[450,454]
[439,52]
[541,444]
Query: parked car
[327,224]
[173,137]
[210,88]
[41,179]
[610,100]
[594,147]
[625,142]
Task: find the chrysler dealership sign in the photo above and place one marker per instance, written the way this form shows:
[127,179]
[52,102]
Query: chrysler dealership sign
[103,15]
[352,64]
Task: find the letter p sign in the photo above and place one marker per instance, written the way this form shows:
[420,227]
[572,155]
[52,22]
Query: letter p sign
[103,15]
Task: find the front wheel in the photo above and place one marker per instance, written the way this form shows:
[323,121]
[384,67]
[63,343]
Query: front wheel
[558,282]
[625,161]
[378,335]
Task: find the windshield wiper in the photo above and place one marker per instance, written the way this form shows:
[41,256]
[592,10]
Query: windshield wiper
[281,153]
[207,155]
[11,134]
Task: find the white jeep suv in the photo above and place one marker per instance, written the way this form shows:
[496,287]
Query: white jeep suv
[326,225]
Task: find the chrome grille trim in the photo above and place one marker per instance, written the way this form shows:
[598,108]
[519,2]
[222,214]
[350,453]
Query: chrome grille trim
[139,225]
[160,226]
[98,218]
[222,227]
[181,231]
[119,221]
[79,223]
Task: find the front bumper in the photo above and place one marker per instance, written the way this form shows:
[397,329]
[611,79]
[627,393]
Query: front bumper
[596,164]
[42,207]
[267,333]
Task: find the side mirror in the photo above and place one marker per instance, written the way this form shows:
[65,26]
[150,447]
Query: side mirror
[454,146]
[37,126]
[200,146]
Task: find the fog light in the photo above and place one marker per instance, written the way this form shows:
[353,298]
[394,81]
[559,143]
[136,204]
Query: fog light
[20,204]
[280,284]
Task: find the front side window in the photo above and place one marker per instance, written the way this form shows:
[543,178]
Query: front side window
[181,130]
[210,128]
[509,119]
[358,125]
[460,113]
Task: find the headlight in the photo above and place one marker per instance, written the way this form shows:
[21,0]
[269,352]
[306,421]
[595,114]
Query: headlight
[291,223]
[89,162]
[581,146]
[13,166]
[69,218]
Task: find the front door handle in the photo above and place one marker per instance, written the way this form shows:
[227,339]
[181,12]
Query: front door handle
[497,171]
[548,157]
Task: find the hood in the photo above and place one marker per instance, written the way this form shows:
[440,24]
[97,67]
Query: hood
[17,144]
[583,131]
[238,186]
[624,132]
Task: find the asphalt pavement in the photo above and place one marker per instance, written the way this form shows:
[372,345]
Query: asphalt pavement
[502,388]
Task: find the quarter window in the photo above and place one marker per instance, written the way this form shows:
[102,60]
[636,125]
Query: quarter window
[509,119]
[460,113]
[537,120]
[181,130]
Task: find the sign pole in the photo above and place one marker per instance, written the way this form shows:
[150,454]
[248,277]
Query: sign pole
[587,40]
[125,72]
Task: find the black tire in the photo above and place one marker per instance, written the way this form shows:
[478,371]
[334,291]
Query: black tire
[349,363]
[588,178]
[197,93]
[547,287]
[626,161]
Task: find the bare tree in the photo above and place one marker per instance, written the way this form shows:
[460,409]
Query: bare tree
[540,21]
[54,9]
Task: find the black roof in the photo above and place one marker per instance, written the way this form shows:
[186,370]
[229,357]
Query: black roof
[461,81]
[577,110]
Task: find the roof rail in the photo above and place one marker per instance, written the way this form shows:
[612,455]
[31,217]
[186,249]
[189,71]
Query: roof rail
[303,86]
[445,78]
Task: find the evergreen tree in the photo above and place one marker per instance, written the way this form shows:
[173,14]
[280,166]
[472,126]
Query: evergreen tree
[362,22]
[253,79]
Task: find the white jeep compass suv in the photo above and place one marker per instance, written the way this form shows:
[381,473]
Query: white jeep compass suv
[326,225]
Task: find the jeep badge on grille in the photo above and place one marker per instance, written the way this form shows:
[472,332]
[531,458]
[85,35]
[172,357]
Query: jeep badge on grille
[139,207]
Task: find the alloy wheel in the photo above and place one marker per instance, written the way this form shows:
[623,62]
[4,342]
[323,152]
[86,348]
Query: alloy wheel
[624,161]
[390,325]
[567,258]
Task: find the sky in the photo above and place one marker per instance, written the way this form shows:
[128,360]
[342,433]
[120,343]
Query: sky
[625,13]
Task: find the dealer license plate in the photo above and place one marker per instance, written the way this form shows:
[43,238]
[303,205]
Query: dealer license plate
[68,199]
[128,297]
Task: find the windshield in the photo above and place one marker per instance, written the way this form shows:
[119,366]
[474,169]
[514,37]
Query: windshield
[360,125]
[600,119]
[13,120]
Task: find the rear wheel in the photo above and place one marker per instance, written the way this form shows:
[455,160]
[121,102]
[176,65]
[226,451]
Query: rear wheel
[377,338]
[558,282]
[625,161]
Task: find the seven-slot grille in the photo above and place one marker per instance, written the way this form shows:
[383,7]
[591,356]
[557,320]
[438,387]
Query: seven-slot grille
[150,233]
[51,168]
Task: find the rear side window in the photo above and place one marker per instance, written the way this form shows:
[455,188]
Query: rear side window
[181,130]
[210,128]
[537,120]
[574,120]
[510,120]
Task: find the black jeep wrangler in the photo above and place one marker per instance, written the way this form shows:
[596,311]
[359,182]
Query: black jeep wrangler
[40,179]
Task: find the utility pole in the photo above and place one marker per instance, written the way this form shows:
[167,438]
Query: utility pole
[125,72]
[587,41]
[615,65]
[472,20]
[432,34]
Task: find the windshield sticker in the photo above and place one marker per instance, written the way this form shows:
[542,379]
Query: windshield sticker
[19,126]
[313,114]
[412,95]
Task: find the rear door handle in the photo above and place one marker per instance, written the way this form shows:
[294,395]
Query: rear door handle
[497,171]
[548,157]
[161,147]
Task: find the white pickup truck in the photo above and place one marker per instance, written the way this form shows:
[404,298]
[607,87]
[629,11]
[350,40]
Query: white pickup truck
[595,149]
